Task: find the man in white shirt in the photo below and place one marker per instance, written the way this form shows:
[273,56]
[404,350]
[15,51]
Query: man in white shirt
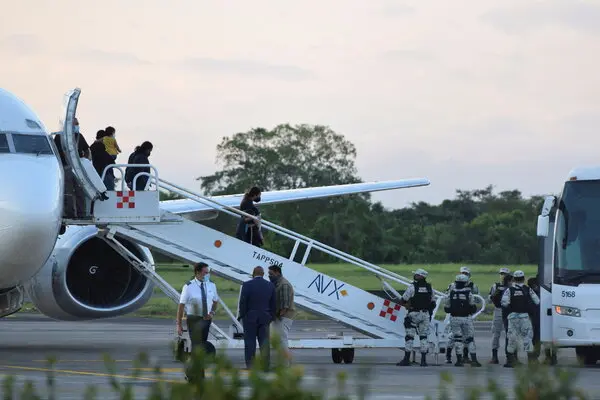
[199,298]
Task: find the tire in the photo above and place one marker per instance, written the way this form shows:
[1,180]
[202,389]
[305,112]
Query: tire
[348,356]
[587,356]
[336,356]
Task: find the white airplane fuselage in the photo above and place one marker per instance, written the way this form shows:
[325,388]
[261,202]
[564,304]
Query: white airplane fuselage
[31,192]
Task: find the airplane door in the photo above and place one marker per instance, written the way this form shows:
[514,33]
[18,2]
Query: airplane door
[89,180]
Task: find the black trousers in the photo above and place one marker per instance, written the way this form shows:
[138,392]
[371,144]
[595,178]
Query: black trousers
[505,322]
[256,328]
[198,329]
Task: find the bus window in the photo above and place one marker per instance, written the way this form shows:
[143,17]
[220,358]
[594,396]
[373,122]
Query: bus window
[578,234]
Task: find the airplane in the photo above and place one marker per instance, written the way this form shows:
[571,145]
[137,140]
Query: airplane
[67,272]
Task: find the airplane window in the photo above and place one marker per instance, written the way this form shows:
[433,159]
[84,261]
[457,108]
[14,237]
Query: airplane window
[4,144]
[32,144]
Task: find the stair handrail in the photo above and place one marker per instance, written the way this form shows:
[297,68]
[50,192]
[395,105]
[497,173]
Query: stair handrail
[287,232]
[291,234]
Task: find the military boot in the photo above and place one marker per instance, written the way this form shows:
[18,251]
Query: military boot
[423,359]
[516,358]
[510,361]
[459,361]
[474,362]
[495,359]
[466,355]
[532,358]
[448,355]
[406,360]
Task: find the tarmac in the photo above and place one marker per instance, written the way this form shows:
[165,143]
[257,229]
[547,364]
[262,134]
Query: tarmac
[26,340]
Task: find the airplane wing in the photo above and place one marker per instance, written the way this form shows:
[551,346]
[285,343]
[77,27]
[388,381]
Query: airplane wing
[196,211]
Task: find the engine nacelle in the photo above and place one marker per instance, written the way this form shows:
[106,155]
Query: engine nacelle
[86,279]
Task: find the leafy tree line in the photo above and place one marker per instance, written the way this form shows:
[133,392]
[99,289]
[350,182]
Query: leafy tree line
[477,226]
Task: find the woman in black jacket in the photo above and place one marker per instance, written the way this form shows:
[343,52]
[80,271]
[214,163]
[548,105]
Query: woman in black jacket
[139,156]
[248,229]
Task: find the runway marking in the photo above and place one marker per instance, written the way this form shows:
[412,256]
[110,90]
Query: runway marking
[243,372]
[98,374]
[154,369]
[81,361]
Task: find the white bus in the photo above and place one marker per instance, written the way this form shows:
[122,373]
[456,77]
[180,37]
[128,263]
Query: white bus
[569,269]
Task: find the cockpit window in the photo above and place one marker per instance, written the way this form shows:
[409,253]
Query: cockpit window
[4,144]
[31,144]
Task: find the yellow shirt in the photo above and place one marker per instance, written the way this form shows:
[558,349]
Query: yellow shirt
[110,143]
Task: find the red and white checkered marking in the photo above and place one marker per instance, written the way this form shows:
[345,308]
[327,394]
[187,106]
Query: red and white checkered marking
[390,310]
[126,199]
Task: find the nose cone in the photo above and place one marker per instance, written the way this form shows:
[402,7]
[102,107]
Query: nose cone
[30,214]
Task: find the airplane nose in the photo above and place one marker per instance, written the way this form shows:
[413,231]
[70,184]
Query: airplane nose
[30,215]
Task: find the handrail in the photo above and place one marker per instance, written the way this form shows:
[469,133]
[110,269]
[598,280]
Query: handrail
[148,182]
[381,272]
[119,166]
[70,150]
[482,306]
[284,231]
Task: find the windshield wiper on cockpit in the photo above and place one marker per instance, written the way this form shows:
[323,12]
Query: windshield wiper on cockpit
[577,278]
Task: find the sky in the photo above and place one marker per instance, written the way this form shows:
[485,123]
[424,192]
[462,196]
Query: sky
[466,93]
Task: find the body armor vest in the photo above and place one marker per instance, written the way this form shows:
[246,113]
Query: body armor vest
[520,302]
[459,302]
[421,300]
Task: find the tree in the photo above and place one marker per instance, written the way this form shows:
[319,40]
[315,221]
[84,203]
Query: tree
[291,157]
[477,226]
[286,157]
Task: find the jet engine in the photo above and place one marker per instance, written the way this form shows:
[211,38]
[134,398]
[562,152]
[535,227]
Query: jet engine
[86,279]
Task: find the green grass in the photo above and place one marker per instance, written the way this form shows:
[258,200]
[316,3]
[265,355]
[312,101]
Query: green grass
[440,275]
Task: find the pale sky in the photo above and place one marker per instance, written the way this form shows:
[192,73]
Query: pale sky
[464,92]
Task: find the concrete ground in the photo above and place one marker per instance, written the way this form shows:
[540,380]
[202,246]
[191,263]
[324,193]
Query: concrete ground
[26,341]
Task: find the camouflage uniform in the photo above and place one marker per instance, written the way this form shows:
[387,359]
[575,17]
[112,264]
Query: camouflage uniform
[418,317]
[494,297]
[450,343]
[517,299]
[417,322]
[463,330]
[460,304]
[497,324]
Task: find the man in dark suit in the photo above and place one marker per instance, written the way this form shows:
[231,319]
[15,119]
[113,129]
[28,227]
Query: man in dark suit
[257,310]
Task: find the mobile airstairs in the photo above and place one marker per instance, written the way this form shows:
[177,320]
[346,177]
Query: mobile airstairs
[137,216]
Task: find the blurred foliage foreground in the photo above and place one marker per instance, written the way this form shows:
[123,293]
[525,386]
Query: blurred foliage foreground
[225,382]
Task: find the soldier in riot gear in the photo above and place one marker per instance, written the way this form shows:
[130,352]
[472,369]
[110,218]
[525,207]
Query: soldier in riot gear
[519,300]
[494,297]
[418,316]
[460,304]
[464,270]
